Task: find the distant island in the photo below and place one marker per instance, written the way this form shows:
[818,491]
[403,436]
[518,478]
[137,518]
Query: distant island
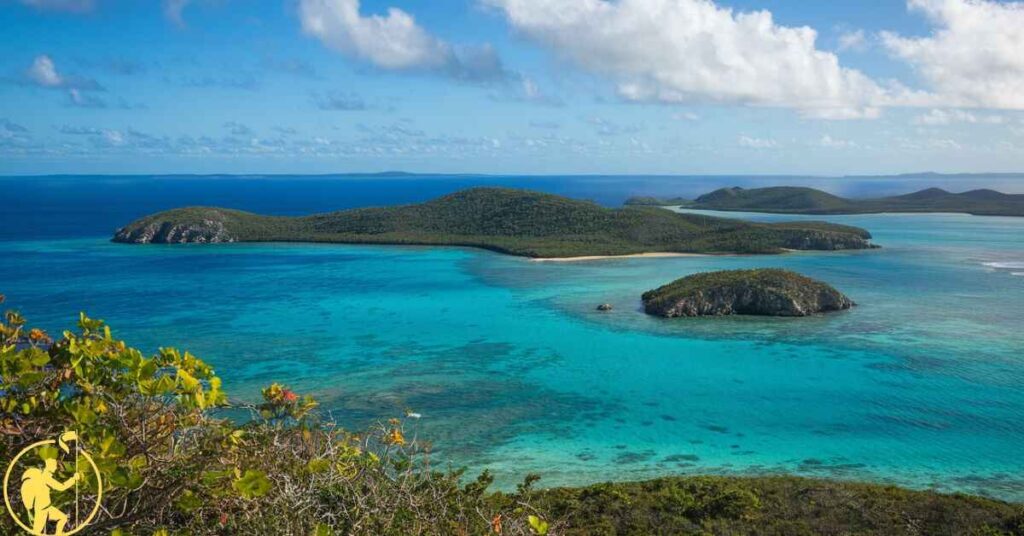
[801,200]
[764,292]
[516,222]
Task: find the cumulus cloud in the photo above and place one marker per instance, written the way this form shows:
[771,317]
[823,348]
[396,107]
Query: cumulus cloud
[43,72]
[974,57]
[396,42]
[693,50]
[77,6]
[393,41]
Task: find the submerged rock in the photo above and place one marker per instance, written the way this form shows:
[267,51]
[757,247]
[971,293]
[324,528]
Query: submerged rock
[767,292]
[604,307]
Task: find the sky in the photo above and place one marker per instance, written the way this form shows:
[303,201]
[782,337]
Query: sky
[511,86]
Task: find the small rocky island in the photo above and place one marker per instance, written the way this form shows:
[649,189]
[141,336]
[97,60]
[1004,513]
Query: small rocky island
[765,292]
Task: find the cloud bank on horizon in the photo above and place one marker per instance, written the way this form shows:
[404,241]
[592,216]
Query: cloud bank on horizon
[646,86]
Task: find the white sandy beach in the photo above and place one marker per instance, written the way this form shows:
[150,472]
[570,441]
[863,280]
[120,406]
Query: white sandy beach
[603,257]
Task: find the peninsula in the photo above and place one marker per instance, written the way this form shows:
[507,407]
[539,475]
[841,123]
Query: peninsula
[800,200]
[765,292]
[515,222]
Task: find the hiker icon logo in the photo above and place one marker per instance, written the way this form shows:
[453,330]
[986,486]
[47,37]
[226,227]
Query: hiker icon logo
[53,487]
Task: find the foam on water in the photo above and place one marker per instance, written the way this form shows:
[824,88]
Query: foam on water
[1005,265]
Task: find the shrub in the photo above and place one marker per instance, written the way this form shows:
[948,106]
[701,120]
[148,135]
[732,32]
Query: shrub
[170,463]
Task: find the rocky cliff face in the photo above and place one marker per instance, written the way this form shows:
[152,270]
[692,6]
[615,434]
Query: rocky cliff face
[824,241]
[744,292]
[164,232]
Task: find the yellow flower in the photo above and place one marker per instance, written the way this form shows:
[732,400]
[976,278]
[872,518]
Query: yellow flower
[395,437]
[36,334]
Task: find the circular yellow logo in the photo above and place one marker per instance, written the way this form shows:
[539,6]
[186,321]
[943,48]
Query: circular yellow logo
[42,501]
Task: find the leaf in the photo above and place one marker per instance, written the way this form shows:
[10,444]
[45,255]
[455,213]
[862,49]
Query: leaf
[318,465]
[537,525]
[211,478]
[188,502]
[188,382]
[252,484]
[323,530]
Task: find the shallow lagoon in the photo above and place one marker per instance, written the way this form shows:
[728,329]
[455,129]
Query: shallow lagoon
[513,370]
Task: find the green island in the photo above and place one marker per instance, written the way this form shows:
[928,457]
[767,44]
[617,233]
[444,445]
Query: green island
[516,222]
[171,463]
[800,200]
[764,292]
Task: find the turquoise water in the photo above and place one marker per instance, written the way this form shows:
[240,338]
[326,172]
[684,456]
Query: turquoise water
[513,370]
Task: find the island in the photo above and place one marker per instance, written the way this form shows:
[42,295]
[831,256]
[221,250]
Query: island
[764,292]
[515,222]
[800,200]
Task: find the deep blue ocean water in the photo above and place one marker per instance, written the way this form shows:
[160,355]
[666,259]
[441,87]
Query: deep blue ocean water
[512,369]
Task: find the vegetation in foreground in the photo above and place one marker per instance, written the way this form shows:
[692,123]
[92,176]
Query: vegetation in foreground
[800,200]
[516,222]
[170,465]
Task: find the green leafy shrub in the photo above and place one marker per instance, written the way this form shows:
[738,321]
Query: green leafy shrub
[171,466]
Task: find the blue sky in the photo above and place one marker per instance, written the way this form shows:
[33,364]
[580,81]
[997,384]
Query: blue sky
[511,86]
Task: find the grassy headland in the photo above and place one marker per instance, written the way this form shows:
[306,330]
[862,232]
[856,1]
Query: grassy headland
[516,222]
[800,200]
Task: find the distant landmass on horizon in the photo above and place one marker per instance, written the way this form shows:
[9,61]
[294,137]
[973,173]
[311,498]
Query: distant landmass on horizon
[803,200]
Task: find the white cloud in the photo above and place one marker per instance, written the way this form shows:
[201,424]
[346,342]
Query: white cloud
[835,143]
[393,41]
[80,100]
[396,42]
[693,50]
[757,143]
[936,117]
[855,40]
[79,6]
[43,72]
[930,144]
[974,57]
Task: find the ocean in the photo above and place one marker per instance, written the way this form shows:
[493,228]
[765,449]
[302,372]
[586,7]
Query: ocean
[511,367]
